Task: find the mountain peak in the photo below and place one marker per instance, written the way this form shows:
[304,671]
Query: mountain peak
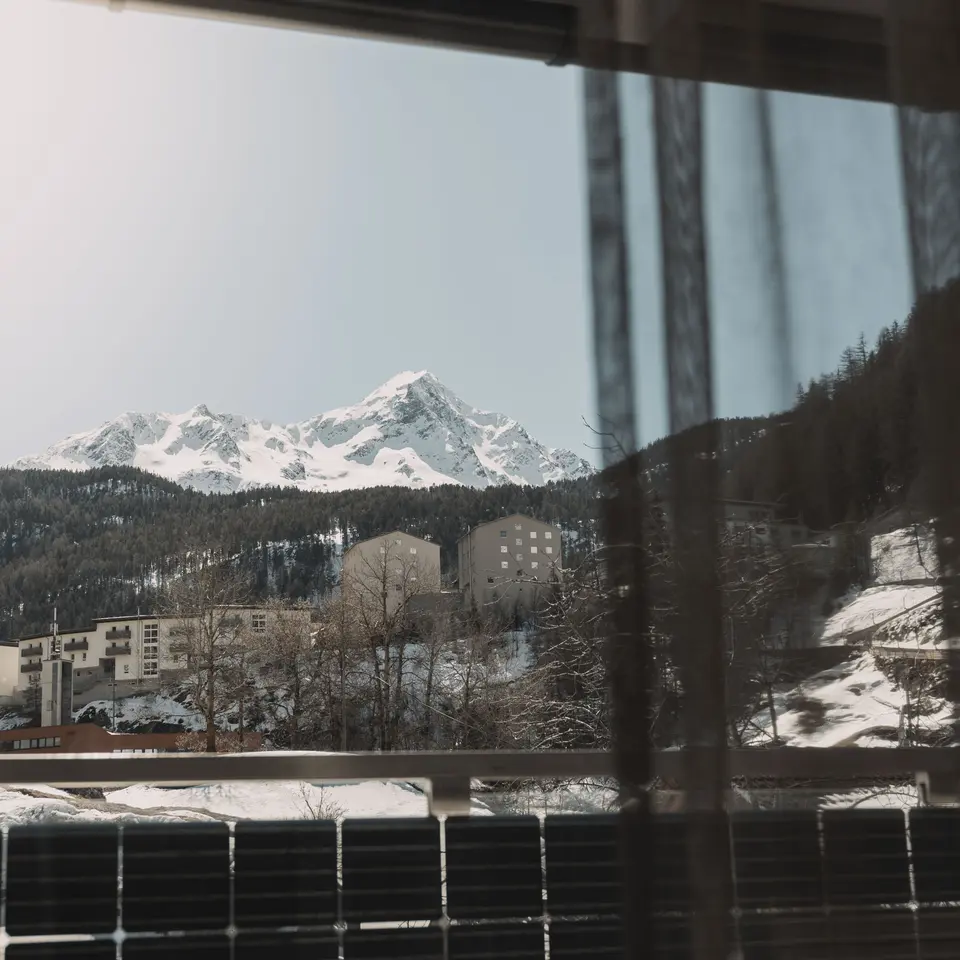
[411,431]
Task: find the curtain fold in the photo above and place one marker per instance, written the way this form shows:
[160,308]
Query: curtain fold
[686,243]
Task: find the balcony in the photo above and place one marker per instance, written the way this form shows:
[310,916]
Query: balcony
[76,645]
[117,650]
[118,633]
[30,668]
[31,651]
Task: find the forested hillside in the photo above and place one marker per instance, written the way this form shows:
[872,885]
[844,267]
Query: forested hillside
[102,542]
[851,448]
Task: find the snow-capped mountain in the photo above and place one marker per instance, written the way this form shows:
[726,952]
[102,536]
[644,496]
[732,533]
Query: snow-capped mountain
[412,432]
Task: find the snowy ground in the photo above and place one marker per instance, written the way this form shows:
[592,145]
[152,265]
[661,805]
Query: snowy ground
[900,608]
[853,704]
[41,804]
[878,607]
[282,800]
[285,800]
[143,709]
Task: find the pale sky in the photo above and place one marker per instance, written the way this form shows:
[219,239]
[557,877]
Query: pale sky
[273,223]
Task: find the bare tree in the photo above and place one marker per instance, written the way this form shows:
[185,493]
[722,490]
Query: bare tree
[291,667]
[207,637]
[380,591]
[339,641]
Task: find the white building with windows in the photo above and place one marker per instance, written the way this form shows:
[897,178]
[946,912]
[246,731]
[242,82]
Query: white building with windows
[115,655]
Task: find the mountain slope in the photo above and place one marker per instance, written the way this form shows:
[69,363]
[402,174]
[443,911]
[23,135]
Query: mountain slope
[412,432]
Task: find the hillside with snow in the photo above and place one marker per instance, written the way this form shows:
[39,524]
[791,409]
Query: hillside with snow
[412,432]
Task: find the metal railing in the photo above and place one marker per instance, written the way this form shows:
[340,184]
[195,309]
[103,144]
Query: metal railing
[448,775]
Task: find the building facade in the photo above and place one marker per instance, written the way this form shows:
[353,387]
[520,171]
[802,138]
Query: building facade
[383,574]
[508,562]
[117,656]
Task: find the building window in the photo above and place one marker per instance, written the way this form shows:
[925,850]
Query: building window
[126,668]
[73,657]
[489,579]
[517,526]
[549,549]
[519,556]
[533,549]
[519,573]
[84,655]
[503,533]
[383,550]
[533,534]
[534,565]
[504,565]
[519,542]
[504,550]
[413,549]
[397,542]
[259,623]
[151,633]
[548,535]
[396,587]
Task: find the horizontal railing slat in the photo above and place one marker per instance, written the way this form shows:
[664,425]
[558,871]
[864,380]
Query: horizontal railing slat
[794,763]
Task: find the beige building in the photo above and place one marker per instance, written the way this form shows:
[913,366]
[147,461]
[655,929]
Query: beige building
[384,573]
[122,654]
[508,561]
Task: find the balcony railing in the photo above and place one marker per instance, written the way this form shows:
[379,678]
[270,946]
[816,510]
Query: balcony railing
[117,650]
[31,651]
[448,775]
[30,668]
[118,633]
[77,645]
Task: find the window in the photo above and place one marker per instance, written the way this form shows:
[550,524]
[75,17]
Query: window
[519,556]
[504,565]
[396,587]
[503,533]
[549,549]
[548,535]
[533,534]
[517,526]
[126,668]
[489,579]
[413,549]
[73,657]
[504,550]
[519,573]
[397,542]
[151,633]
[519,541]
[533,549]
[259,623]
[84,655]
[534,565]
[383,550]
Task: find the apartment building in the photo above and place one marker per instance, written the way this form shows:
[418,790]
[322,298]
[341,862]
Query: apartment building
[117,656]
[383,574]
[508,561]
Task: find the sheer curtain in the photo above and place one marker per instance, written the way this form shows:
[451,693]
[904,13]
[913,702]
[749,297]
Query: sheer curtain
[738,238]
